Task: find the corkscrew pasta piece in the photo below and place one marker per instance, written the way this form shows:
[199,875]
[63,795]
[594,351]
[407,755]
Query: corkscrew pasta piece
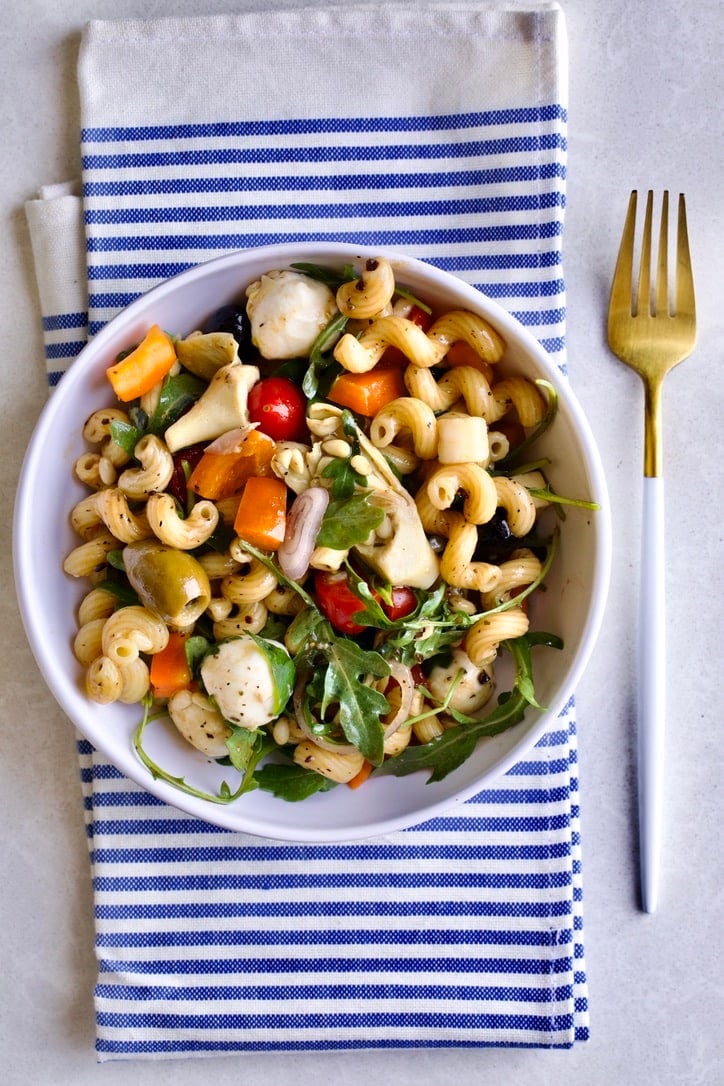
[457,567]
[90,557]
[519,506]
[113,509]
[244,618]
[132,630]
[155,471]
[479,490]
[464,383]
[408,415]
[96,604]
[524,396]
[88,643]
[517,572]
[336,767]
[370,294]
[483,639]
[85,518]
[426,349]
[103,681]
[184,533]
[251,586]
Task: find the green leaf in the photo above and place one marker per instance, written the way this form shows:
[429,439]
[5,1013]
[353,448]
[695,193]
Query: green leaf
[329,276]
[126,435]
[282,669]
[448,752]
[178,393]
[348,522]
[197,649]
[291,782]
[360,706]
[319,361]
[345,479]
[241,745]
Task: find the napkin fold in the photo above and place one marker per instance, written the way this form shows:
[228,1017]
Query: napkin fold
[438,130]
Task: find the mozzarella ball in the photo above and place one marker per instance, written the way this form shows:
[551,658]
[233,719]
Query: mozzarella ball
[287,311]
[240,680]
[473,689]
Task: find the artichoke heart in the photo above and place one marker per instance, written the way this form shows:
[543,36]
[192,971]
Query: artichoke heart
[168,581]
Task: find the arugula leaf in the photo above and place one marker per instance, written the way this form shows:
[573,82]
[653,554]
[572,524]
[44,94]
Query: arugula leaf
[282,669]
[291,782]
[448,752]
[319,361]
[338,670]
[263,744]
[349,521]
[345,479]
[241,745]
[329,276]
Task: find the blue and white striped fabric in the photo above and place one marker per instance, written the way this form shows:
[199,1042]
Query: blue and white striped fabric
[441,134]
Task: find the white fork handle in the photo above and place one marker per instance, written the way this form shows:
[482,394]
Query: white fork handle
[652,667]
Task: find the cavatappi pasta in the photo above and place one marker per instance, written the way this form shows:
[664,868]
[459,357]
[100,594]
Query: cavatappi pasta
[408,544]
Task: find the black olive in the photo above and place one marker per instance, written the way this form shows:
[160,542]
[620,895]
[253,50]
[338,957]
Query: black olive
[496,542]
[232,318]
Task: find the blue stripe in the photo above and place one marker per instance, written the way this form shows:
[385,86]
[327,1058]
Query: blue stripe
[61,321]
[176,1047]
[318,936]
[204,909]
[238,853]
[175,186]
[312,125]
[471,205]
[338,1020]
[531,967]
[430,237]
[68,350]
[334,879]
[317,991]
[319,153]
[518,823]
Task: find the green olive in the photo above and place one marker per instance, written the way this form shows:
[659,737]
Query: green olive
[168,581]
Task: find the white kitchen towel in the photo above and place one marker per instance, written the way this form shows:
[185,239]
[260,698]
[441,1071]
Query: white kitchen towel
[438,130]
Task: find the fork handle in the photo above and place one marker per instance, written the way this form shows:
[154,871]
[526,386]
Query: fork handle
[652,667]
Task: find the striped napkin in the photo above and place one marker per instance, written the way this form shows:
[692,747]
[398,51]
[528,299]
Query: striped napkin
[438,130]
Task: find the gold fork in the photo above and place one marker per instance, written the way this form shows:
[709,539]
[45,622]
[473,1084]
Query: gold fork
[652,337]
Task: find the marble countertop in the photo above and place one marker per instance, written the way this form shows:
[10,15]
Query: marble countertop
[646,89]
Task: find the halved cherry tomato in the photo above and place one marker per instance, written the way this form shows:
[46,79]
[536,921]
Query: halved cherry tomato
[404,602]
[280,408]
[338,602]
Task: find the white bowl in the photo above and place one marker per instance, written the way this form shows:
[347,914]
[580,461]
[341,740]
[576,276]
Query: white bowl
[571,607]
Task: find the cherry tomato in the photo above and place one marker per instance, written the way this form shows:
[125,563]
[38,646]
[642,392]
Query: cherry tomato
[280,408]
[404,602]
[338,602]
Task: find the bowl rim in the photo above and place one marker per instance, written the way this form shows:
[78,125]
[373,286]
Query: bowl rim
[128,764]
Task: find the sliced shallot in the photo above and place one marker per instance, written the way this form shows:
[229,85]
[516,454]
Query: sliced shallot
[303,523]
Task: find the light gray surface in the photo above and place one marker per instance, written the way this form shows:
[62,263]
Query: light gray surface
[646,92]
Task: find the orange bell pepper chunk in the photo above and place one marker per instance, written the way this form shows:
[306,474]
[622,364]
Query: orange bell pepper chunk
[261,518]
[220,474]
[144,367]
[169,670]
[367,393]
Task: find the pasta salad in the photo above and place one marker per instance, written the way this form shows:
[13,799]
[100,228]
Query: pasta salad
[311,529]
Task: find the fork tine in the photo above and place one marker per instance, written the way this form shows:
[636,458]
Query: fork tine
[662,271]
[643,301]
[622,284]
[685,303]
